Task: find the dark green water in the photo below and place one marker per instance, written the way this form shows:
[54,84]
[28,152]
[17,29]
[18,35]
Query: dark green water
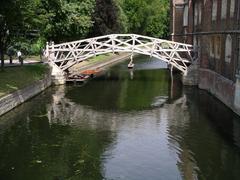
[138,126]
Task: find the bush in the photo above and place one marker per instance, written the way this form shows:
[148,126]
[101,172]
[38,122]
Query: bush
[36,47]
[27,47]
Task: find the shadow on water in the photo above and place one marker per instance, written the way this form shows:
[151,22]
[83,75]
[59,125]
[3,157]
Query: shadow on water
[124,89]
[210,141]
[121,126]
[34,147]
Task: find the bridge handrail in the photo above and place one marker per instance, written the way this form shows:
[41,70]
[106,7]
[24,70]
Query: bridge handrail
[122,35]
[65,55]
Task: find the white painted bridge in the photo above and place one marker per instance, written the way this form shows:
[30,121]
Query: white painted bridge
[65,55]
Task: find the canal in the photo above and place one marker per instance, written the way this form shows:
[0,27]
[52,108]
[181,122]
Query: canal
[122,125]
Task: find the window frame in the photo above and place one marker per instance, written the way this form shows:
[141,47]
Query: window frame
[185,15]
[224,5]
[195,14]
[214,10]
[228,48]
[232,8]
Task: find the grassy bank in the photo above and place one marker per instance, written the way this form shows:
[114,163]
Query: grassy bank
[100,58]
[14,78]
[94,61]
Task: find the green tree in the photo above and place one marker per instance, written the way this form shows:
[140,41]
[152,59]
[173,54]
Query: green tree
[147,17]
[67,19]
[28,24]
[108,18]
[158,19]
[136,13]
[10,20]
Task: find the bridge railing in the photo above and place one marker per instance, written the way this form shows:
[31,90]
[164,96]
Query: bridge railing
[65,55]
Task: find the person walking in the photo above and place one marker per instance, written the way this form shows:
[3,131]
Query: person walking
[10,53]
[19,55]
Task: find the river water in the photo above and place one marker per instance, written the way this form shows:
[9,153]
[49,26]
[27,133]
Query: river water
[123,125]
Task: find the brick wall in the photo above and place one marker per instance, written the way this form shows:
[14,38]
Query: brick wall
[214,30]
[217,73]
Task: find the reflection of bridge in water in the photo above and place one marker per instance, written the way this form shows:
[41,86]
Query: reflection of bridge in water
[65,55]
[66,112]
[174,119]
[197,149]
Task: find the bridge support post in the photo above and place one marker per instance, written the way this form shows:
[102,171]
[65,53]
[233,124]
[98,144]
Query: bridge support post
[192,75]
[57,74]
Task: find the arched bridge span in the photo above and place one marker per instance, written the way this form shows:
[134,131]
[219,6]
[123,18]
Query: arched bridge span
[65,55]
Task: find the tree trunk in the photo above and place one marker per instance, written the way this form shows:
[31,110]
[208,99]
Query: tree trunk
[21,60]
[2,59]
[10,59]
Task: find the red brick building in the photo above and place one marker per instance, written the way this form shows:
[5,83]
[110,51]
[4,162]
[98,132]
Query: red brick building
[213,27]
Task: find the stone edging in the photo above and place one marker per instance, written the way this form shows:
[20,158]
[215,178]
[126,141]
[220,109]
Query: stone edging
[16,98]
[219,86]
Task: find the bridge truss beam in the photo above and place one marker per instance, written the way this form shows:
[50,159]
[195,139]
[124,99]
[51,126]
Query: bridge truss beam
[66,55]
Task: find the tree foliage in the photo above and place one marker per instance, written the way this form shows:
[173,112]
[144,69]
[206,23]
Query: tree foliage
[10,19]
[28,24]
[106,18]
[147,17]
[67,19]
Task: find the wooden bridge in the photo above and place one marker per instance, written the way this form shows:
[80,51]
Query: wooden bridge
[68,54]
[65,55]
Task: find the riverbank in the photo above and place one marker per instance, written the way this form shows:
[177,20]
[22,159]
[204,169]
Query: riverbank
[99,62]
[19,84]
[15,78]
[224,89]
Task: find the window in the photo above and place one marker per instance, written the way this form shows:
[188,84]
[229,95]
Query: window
[217,47]
[228,49]
[185,16]
[195,14]
[211,46]
[224,9]
[239,55]
[199,13]
[195,41]
[205,1]
[214,10]
[199,48]
[195,47]
[232,8]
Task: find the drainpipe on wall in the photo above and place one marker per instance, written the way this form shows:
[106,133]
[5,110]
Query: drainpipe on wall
[193,12]
[190,5]
[238,15]
[173,21]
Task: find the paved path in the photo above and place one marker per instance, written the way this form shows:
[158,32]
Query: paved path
[17,63]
